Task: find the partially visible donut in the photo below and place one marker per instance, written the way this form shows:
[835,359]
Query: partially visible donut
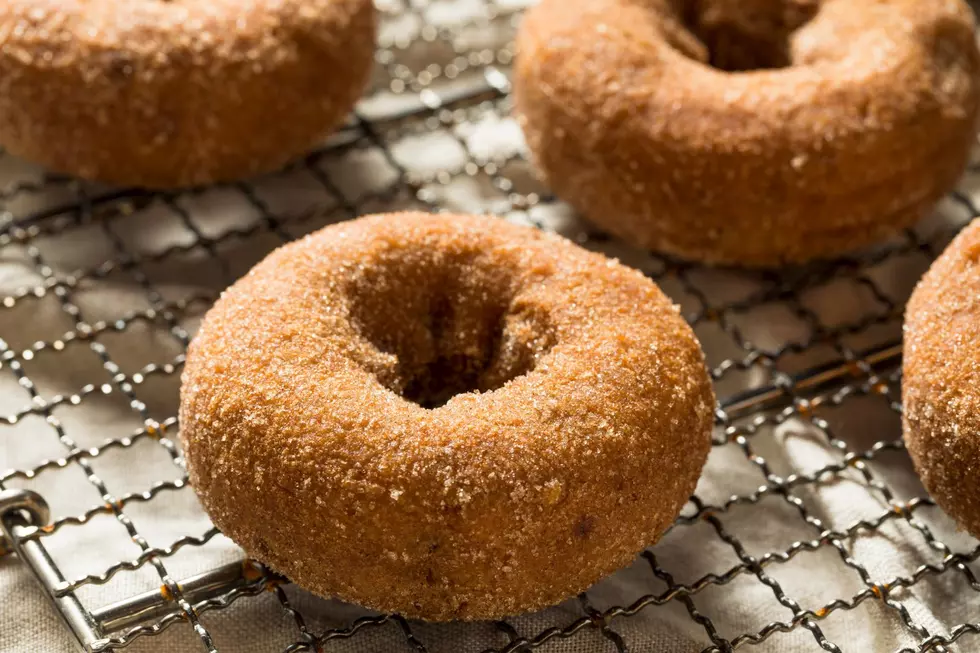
[941,379]
[749,132]
[448,417]
[161,93]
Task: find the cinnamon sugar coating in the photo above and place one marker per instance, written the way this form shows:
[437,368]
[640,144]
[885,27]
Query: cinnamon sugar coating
[749,132]
[449,417]
[161,93]
[941,379]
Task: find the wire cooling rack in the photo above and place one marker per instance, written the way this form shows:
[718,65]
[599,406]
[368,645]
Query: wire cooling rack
[809,530]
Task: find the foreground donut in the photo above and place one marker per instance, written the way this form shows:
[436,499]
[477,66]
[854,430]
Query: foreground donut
[161,94]
[941,379]
[569,415]
[749,132]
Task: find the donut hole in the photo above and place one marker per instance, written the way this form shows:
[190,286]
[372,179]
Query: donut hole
[434,329]
[745,35]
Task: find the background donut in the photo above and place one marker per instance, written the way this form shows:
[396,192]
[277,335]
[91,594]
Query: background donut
[162,94]
[816,127]
[941,379]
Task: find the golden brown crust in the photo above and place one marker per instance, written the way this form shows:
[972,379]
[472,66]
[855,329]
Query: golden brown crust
[941,379]
[163,94]
[869,124]
[589,437]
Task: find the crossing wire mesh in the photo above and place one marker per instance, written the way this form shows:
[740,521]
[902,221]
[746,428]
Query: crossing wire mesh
[102,288]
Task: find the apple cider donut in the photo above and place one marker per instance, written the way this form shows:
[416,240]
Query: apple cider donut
[169,93]
[449,417]
[749,132]
[941,379]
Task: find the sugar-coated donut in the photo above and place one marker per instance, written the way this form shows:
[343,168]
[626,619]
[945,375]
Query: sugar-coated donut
[749,132]
[161,93]
[941,379]
[449,417]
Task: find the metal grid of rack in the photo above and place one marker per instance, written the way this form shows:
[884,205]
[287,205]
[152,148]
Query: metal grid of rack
[101,289]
